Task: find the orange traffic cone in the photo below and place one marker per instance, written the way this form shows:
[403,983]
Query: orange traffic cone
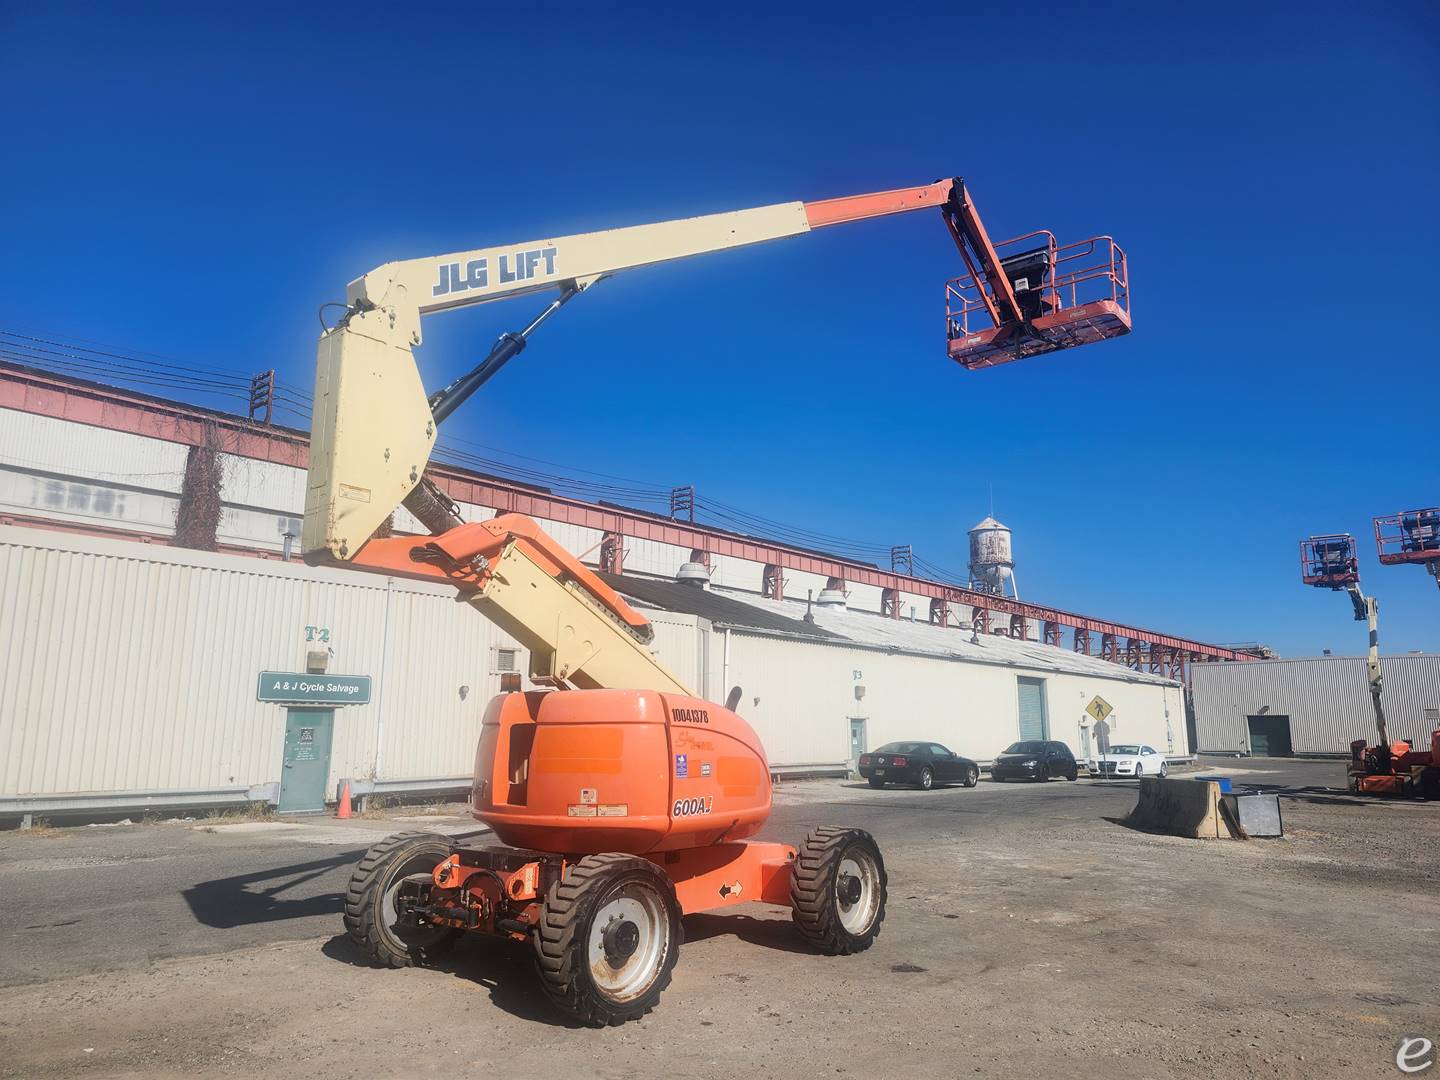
[343,810]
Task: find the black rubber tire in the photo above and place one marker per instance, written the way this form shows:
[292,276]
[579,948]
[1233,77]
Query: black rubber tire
[365,917]
[876,782]
[814,896]
[1430,784]
[1074,774]
[927,778]
[1139,770]
[562,943]
[972,776]
[1042,775]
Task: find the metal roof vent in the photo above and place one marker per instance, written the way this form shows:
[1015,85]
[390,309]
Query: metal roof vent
[833,595]
[694,572]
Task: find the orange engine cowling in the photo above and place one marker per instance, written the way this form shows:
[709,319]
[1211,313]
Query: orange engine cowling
[638,771]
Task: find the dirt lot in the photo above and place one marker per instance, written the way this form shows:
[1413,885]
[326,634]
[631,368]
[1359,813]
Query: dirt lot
[1029,932]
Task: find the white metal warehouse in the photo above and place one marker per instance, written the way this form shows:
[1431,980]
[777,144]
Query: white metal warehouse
[894,679]
[1312,705]
[128,674]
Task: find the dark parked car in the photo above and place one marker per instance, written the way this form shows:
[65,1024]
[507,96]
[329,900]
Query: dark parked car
[923,764]
[1035,760]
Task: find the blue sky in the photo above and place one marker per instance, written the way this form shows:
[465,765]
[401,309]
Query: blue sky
[195,184]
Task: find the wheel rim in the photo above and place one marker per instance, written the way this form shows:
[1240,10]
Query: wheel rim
[409,874]
[972,778]
[857,891]
[629,940]
[927,778]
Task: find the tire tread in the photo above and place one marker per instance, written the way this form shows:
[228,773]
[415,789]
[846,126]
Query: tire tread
[812,890]
[560,947]
[364,893]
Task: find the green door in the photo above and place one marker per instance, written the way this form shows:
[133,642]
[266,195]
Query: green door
[1032,710]
[1269,736]
[857,741]
[307,760]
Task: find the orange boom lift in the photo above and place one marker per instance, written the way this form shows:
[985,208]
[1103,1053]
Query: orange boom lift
[622,799]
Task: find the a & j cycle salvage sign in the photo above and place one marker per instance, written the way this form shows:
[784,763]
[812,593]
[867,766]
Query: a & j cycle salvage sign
[291,688]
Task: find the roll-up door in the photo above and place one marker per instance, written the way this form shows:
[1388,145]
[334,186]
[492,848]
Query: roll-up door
[1032,709]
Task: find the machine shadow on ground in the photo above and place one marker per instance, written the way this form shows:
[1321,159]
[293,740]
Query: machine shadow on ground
[773,933]
[246,899]
[506,969]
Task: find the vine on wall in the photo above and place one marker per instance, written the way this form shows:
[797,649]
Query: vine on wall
[197,518]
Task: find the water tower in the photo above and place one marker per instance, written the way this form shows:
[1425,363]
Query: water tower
[992,561]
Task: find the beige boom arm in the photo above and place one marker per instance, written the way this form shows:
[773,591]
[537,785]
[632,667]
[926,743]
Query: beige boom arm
[497,273]
[573,638]
[373,428]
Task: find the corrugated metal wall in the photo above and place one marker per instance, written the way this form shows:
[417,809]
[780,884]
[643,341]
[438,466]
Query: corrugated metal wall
[799,696]
[1327,699]
[127,667]
[130,667]
[87,450]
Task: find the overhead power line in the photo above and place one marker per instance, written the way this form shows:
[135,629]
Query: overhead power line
[101,362]
[109,363]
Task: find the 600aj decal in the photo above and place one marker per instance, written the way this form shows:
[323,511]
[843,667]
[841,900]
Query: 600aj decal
[691,807]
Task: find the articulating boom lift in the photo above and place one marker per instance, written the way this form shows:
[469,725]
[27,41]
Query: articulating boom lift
[624,801]
[1330,562]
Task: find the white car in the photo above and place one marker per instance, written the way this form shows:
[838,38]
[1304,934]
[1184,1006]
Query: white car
[1127,759]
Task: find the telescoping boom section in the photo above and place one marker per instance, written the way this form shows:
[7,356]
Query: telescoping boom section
[1330,562]
[464,278]
[374,426]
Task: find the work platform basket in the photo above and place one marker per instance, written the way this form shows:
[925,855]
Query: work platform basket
[1072,295]
[1411,536]
[1329,561]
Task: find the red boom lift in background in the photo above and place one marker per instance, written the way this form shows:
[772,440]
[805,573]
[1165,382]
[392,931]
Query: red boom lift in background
[1411,536]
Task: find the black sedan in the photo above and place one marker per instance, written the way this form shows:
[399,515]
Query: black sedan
[1035,760]
[923,764]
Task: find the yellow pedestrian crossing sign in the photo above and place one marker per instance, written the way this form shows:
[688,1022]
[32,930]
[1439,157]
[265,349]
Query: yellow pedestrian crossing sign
[1099,708]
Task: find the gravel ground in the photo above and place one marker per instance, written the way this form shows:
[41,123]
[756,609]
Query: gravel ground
[1029,932]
